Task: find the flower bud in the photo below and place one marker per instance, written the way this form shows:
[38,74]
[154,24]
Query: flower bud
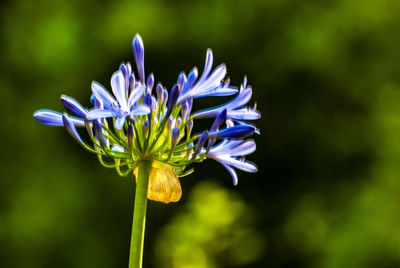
[131,82]
[150,83]
[138,52]
[98,130]
[236,132]
[218,121]
[189,128]
[184,110]
[174,137]
[191,79]
[200,144]
[146,127]
[124,70]
[178,122]
[71,129]
[165,98]
[181,81]
[148,101]
[173,98]
[74,106]
[159,92]
[170,122]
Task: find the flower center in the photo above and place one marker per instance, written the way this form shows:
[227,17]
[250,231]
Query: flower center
[117,111]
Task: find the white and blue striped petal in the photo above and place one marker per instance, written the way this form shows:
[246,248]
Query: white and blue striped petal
[118,85]
[54,119]
[140,110]
[227,152]
[235,109]
[69,125]
[208,84]
[99,113]
[135,95]
[74,106]
[102,94]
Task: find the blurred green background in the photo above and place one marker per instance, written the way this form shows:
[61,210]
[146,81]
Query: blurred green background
[326,77]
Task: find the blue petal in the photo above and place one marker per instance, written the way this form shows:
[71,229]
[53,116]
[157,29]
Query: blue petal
[138,52]
[97,113]
[189,128]
[234,148]
[185,110]
[119,122]
[92,98]
[236,132]
[119,90]
[175,135]
[74,106]
[200,143]
[124,70]
[216,77]
[257,131]
[218,121]
[128,68]
[147,100]
[118,148]
[207,65]
[209,86]
[244,148]
[159,92]
[140,110]
[229,123]
[98,129]
[181,81]
[165,97]
[244,114]
[103,95]
[191,79]
[132,82]
[98,104]
[216,92]
[232,172]
[136,94]
[69,125]
[54,119]
[239,164]
[150,83]
[240,100]
[173,97]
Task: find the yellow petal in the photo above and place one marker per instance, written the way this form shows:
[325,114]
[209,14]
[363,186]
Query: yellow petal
[164,185]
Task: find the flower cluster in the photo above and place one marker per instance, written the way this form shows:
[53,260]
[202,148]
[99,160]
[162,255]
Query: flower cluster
[137,124]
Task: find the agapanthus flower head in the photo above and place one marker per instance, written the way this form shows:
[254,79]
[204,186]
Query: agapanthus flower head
[136,122]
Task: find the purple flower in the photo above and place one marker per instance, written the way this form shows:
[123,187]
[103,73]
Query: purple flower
[121,107]
[230,152]
[208,84]
[235,108]
[160,125]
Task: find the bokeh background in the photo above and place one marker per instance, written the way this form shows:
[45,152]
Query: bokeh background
[325,75]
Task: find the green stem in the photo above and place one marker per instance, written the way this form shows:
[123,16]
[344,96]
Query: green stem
[139,215]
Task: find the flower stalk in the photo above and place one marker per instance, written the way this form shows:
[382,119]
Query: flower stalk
[139,215]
